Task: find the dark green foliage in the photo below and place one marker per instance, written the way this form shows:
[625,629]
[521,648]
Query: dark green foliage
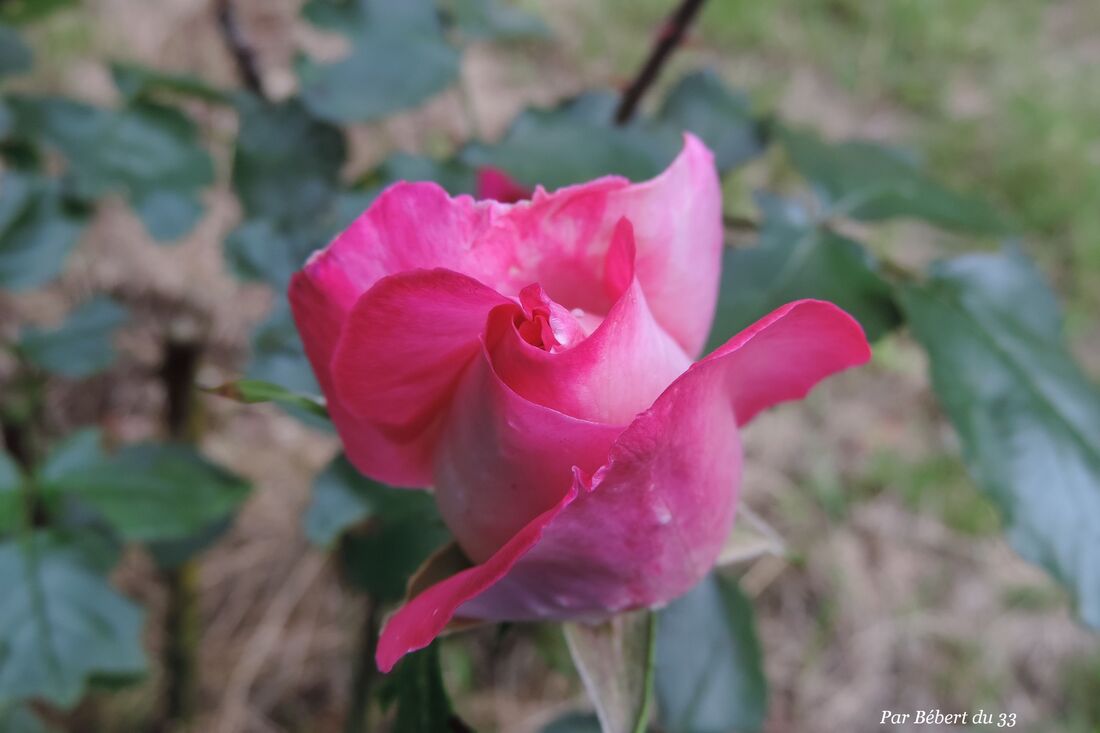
[15,56]
[1028,418]
[39,226]
[415,689]
[387,533]
[710,674]
[146,151]
[701,103]
[795,258]
[869,181]
[399,58]
[61,624]
[11,498]
[577,142]
[148,491]
[81,346]
[492,20]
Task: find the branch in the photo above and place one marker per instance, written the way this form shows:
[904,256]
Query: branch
[672,33]
[243,53]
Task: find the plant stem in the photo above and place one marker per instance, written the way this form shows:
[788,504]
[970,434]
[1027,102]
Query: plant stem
[182,355]
[244,56]
[363,671]
[670,36]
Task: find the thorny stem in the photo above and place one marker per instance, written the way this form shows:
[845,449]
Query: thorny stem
[672,33]
[244,56]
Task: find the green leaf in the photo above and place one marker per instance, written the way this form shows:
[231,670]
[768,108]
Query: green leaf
[38,229]
[278,356]
[574,723]
[576,142]
[1027,416]
[416,689]
[871,182]
[136,82]
[61,624]
[494,20]
[167,214]
[21,719]
[81,346]
[174,554]
[701,103]
[795,259]
[395,530]
[399,58]
[148,491]
[287,164]
[15,55]
[260,250]
[453,175]
[11,495]
[137,150]
[615,660]
[26,11]
[710,675]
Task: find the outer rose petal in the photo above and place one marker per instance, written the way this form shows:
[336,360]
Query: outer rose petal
[654,517]
[409,226]
[319,316]
[404,345]
[613,374]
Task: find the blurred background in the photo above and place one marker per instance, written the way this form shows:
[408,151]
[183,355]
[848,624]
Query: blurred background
[898,591]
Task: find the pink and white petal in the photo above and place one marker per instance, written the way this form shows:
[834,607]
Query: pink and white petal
[561,240]
[784,354]
[404,345]
[502,460]
[409,226]
[319,318]
[657,514]
[422,619]
[611,376]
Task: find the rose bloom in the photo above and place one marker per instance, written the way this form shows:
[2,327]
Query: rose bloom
[534,363]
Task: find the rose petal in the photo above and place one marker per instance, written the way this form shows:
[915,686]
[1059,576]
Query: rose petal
[404,345]
[502,460]
[652,521]
[613,374]
[561,240]
[495,184]
[418,622]
[319,316]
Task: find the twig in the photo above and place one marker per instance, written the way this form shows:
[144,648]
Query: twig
[672,33]
[243,53]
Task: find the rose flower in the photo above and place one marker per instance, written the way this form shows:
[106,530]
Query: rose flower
[534,363]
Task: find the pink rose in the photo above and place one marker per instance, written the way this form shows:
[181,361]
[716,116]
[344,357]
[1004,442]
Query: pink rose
[534,363]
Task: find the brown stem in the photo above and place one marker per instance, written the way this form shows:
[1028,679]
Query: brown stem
[182,355]
[672,33]
[243,54]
